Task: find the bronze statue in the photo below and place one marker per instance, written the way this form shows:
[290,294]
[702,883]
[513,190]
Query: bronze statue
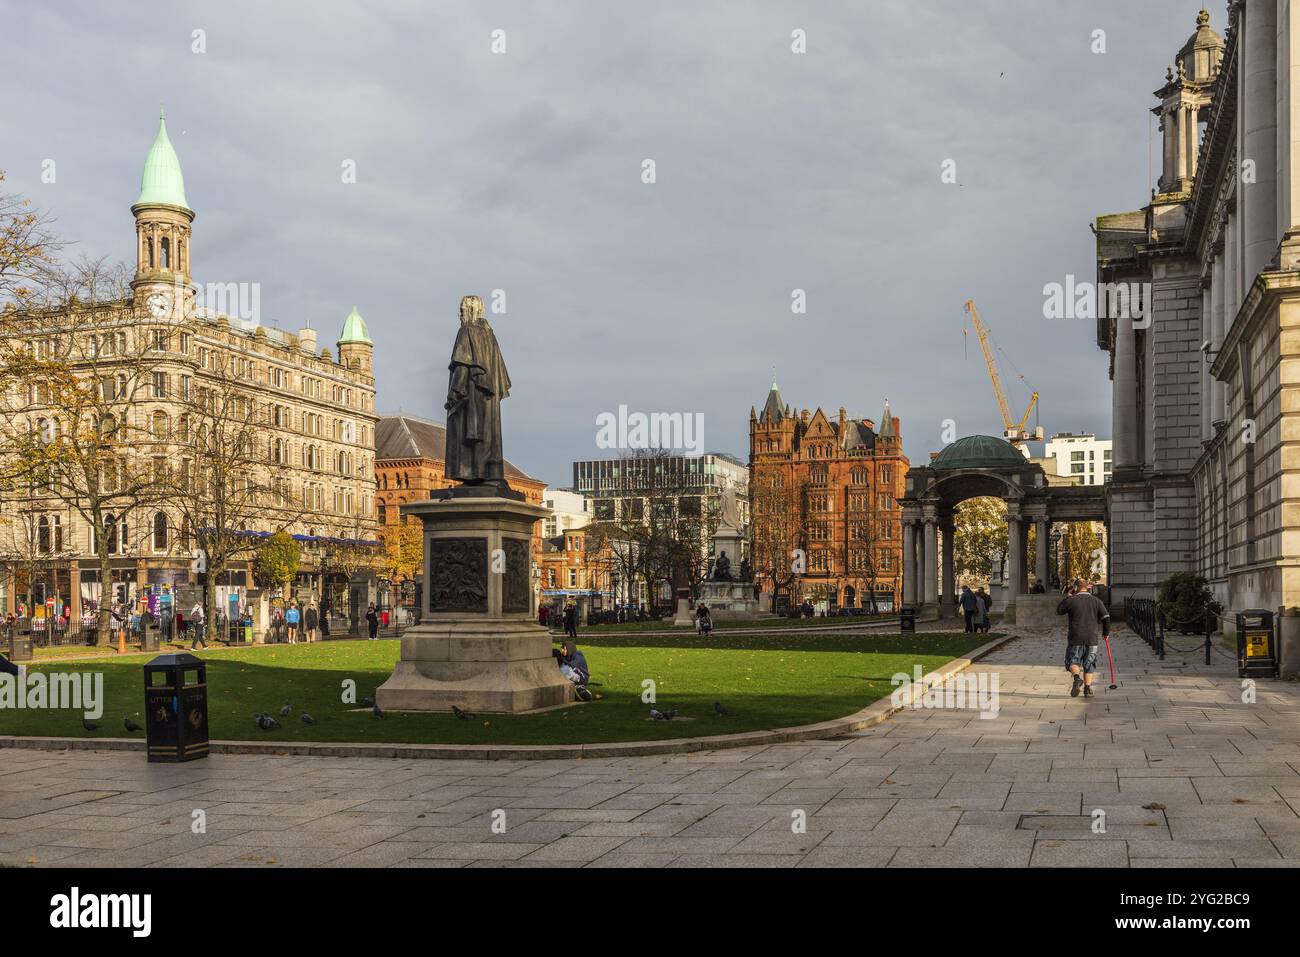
[722,569]
[477,383]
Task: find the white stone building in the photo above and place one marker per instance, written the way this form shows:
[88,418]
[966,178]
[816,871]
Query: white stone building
[1205,358]
[569,510]
[1080,456]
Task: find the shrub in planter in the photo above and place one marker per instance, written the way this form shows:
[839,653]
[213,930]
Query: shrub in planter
[1184,599]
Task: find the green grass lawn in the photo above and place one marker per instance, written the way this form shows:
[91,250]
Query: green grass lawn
[734,623]
[767,681]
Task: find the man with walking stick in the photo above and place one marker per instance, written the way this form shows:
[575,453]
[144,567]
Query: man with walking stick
[1088,618]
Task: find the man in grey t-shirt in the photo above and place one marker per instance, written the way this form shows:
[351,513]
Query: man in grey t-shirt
[1089,624]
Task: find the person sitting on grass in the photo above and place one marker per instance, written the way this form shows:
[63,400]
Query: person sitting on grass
[573,665]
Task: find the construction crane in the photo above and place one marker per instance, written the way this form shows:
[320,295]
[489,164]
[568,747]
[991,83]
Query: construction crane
[1013,432]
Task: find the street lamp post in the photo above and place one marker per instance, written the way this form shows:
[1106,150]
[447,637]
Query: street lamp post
[1056,554]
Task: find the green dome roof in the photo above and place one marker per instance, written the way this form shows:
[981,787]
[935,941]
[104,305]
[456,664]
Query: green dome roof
[978,452]
[354,329]
[161,183]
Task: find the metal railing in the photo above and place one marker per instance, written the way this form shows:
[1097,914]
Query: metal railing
[1144,620]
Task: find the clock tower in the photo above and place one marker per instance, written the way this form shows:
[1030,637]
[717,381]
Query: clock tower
[162,226]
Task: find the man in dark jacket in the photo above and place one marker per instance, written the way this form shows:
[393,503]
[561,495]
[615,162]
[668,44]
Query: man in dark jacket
[1089,624]
[969,604]
[571,621]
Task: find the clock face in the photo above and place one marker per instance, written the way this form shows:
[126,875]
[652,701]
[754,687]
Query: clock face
[159,304]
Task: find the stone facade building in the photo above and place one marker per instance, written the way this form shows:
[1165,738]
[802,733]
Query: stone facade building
[836,484]
[1204,325]
[314,415]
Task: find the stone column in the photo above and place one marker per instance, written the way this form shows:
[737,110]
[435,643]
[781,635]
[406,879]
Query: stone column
[929,572]
[1044,542]
[909,563]
[949,608]
[1015,557]
[1288,146]
[1258,126]
[1169,128]
[1207,335]
[1231,269]
[1218,289]
[1124,402]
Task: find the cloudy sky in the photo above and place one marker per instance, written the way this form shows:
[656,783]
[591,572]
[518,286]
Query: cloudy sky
[522,171]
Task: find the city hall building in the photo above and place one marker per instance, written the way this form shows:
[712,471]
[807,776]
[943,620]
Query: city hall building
[314,441]
[1204,329]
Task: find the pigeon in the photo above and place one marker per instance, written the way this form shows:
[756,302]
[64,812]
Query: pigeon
[307,719]
[89,725]
[367,702]
[720,709]
[462,715]
[377,711]
[284,712]
[267,723]
[662,715]
[131,725]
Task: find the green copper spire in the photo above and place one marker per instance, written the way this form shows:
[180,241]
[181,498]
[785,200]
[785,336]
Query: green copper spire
[161,183]
[354,329]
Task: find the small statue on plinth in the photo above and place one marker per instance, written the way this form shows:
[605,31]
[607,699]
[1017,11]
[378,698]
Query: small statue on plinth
[746,573]
[722,569]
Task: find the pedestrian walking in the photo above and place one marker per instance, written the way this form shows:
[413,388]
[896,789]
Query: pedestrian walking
[291,618]
[198,619]
[372,621]
[985,606]
[310,620]
[1089,623]
[969,603]
[571,621]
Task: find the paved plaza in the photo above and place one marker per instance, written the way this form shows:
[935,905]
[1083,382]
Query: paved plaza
[1185,773]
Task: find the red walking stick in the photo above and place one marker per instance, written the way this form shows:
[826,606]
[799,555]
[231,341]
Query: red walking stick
[1113,686]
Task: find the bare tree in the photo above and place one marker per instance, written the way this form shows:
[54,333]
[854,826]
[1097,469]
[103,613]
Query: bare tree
[347,547]
[32,549]
[225,479]
[28,247]
[778,530]
[76,434]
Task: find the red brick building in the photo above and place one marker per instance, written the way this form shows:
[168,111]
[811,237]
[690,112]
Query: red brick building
[825,520]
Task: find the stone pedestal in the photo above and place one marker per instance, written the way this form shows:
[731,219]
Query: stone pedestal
[728,599]
[684,618]
[478,645]
[1038,611]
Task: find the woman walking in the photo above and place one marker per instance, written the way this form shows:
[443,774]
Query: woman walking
[291,620]
[310,621]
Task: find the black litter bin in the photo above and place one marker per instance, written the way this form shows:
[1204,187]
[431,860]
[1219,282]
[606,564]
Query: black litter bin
[1256,644]
[907,619]
[176,708]
[20,647]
